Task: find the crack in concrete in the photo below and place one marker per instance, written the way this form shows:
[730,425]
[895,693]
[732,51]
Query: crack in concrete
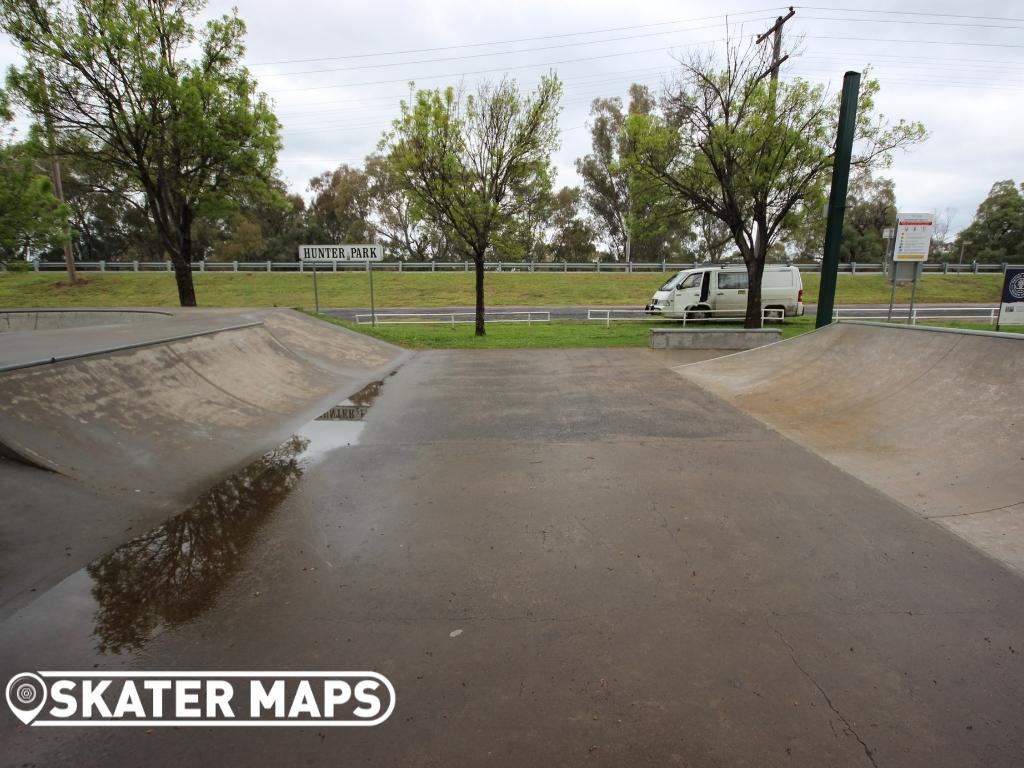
[828,700]
[977,512]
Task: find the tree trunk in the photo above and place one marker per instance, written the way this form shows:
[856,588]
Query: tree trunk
[755,271]
[183,277]
[183,269]
[478,260]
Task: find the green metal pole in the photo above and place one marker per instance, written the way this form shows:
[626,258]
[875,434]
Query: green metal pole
[373,306]
[316,290]
[837,198]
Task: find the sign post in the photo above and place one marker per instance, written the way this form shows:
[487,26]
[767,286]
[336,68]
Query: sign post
[1011,304]
[373,308]
[367,252]
[316,291]
[320,254]
[911,243]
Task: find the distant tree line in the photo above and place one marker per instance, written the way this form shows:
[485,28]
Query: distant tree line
[169,157]
[355,204]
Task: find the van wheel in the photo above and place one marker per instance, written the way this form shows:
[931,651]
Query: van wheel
[773,319]
[697,313]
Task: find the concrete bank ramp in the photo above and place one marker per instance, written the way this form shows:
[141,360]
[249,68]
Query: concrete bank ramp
[932,417]
[164,417]
[14,320]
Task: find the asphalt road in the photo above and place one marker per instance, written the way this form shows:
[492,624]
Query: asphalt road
[558,557]
[580,313]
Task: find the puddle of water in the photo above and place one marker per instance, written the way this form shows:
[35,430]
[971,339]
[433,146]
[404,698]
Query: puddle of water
[171,574]
[356,407]
[341,425]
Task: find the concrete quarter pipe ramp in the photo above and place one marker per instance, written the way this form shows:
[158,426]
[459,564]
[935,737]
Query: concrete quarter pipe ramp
[931,417]
[163,416]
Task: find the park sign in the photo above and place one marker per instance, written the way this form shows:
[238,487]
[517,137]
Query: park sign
[367,252]
[1011,305]
[913,236]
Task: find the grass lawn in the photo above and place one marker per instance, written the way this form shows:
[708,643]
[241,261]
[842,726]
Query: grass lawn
[973,326]
[557,333]
[441,289]
[562,333]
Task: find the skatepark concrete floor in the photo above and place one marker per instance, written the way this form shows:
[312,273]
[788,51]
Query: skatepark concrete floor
[558,557]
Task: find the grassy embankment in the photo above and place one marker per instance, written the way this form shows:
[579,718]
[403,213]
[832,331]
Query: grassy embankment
[559,333]
[346,290]
[441,289]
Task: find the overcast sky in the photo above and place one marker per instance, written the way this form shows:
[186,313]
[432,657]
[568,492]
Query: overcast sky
[336,71]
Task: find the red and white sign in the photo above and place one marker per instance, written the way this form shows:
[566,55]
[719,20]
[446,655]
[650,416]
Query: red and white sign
[913,236]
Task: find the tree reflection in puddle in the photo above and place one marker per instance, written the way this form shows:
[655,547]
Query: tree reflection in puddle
[172,573]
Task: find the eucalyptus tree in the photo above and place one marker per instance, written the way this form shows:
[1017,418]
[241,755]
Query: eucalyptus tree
[997,232]
[31,217]
[472,162]
[189,136]
[754,155]
[625,205]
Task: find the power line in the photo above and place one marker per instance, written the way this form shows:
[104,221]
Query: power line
[383,118]
[576,84]
[577,79]
[659,49]
[515,40]
[917,42]
[493,53]
[885,73]
[915,22]
[908,57]
[907,13]
[828,75]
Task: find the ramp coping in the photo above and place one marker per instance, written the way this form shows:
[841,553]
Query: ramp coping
[933,329]
[123,347]
[56,310]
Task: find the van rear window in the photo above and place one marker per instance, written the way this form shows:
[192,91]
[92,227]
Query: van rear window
[732,280]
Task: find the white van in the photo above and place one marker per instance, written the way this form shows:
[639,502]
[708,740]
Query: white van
[723,292]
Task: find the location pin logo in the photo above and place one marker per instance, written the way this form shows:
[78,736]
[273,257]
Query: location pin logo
[26,695]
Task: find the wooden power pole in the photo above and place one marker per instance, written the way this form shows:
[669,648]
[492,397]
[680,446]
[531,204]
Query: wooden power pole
[58,183]
[777,58]
[776,34]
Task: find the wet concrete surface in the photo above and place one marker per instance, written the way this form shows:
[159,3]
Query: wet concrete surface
[641,574]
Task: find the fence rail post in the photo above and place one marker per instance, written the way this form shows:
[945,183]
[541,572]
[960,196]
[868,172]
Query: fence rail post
[103,265]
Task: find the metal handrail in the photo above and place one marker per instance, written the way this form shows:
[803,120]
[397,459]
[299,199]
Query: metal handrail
[451,318]
[918,313]
[690,315]
[467,266]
